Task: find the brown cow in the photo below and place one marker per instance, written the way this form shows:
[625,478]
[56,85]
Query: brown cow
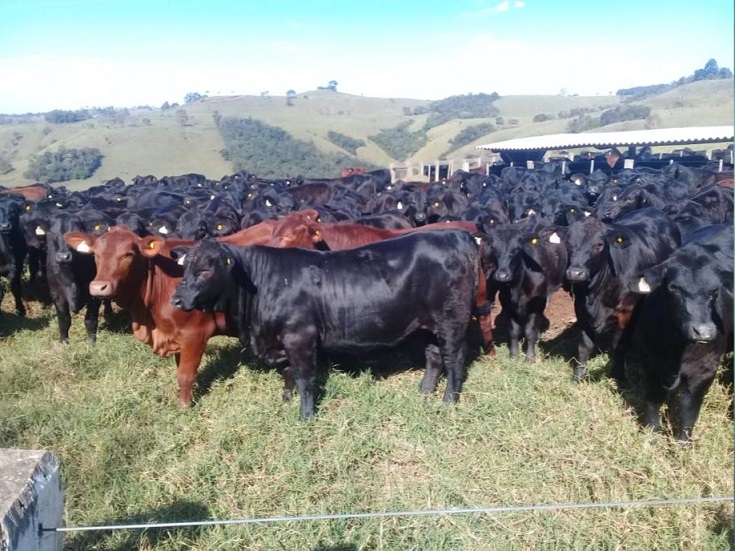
[139,275]
[34,192]
[303,230]
[351,171]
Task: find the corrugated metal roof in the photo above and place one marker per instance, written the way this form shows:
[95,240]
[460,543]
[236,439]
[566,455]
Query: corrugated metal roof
[660,136]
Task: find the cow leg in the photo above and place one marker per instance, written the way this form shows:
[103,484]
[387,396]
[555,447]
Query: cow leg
[486,330]
[515,336]
[621,344]
[453,349]
[584,348]
[64,316]
[300,348]
[91,320]
[531,333]
[655,395]
[289,383]
[16,288]
[33,264]
[688,402]
[434,369]
[187,363]
[107,311]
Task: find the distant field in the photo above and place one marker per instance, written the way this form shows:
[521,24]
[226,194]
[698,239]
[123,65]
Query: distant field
[521,435]
[161,146]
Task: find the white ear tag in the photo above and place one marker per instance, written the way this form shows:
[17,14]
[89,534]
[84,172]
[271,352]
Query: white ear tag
[554,238]
[268,203]
[83,247]
[180,261]
[531,212]
[643,285]
[39,231]
[586,213]
[478,240]
[399,205]
[163,230]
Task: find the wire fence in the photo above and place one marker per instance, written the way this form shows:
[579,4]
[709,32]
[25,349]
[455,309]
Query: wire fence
[389,514]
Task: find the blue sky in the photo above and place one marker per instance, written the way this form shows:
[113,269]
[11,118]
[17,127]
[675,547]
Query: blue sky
[69,54]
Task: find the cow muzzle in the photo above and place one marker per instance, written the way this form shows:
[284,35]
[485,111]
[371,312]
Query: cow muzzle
[502,276]
[578,274]
[102,289]
[63,257]
[702,332]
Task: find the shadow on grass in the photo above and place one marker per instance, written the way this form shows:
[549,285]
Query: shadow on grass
[724,524]
[338,547]
[222,364]
[11,323]
[132,540]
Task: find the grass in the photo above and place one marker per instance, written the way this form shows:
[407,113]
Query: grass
[522,434]
[164,147]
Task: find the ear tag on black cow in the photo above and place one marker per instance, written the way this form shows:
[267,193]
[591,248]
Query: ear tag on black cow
[229,261]
[220,227]
[554,238]
[572,211]
[534,241]
[28,207]
[643,285]
[399,205]
[619,240]
[586,213]
[492,221]
[97,227]
[268,203]
[437,204]
[39,231]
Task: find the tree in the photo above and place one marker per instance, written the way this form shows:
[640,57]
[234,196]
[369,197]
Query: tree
[193,96]
[290,96]
[332,85]
[165,106]
[182,117]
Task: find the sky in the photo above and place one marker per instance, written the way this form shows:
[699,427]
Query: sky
[70,54]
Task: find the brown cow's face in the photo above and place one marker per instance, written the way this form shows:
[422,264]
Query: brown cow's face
[116,255]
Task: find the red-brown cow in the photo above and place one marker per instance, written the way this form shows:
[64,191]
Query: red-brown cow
[138,273]
[303,230]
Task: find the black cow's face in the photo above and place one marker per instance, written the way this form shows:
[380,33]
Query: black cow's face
[207,268]
[586,243]
[506,245]
[698,293]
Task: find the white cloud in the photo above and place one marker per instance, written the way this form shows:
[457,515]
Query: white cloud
[503,6]
[519,4]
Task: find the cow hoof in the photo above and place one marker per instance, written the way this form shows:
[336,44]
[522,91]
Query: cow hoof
[184,404]
[64,341]
[286,396]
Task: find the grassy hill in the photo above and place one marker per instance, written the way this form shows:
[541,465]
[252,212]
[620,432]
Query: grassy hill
[155,142]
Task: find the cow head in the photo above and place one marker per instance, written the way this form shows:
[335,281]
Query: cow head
[587,245]
[117,256]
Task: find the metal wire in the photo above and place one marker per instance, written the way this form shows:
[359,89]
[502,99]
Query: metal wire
[388,514]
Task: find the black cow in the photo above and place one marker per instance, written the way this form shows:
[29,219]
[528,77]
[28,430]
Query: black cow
[69,274]
[296,301]
[686,325]
[604,260]
[14,246]
[529,270]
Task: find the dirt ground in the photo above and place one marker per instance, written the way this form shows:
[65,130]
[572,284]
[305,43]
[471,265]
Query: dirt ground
[559,311]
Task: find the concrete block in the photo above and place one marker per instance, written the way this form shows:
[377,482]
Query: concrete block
[30,496]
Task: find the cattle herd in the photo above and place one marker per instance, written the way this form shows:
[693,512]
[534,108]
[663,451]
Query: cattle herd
[358,263]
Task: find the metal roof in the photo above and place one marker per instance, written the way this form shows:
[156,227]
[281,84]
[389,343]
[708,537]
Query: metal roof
[660,136]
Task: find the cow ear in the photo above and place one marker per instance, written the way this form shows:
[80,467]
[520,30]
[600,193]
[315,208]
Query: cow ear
[179,254]
[151,246]
[79,241]
[650,280]
[727,282]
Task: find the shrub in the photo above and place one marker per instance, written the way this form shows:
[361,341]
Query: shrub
[345,142]
[470,133]
[59,116]
[64,164]
[580,124]
[624,113]
[469,106]
[399,142]
[542,117]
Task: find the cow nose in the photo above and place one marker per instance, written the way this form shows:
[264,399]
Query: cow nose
[702,332]
[577,274]
[502,276]
[420,217]
[100,289]
[4,227]
[176,301]
[63,257]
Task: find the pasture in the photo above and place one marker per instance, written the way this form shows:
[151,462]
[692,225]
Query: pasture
[521,435]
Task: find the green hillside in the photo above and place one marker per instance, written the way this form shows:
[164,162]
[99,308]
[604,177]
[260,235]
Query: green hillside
[153,141]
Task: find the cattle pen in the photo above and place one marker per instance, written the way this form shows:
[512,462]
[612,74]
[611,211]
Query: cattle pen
[527,152]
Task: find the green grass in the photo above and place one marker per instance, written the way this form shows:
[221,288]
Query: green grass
[522,434]
[164,147]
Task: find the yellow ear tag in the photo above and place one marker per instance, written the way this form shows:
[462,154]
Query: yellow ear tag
[492,220]
[534,241]
[152,245]
[119,199]
[619,240]
[220,227]
[572,211]
[437,204]
[229,261]
[318,233]
[28,207]
[97,227]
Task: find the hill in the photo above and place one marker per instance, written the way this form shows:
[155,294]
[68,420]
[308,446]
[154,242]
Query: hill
[155,141]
